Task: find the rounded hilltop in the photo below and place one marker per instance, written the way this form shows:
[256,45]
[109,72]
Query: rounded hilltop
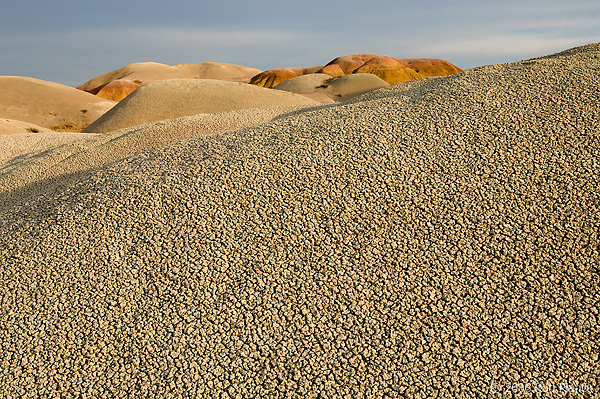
[168,99]
[49,105]
[117,84]
[325,89]
[391,70]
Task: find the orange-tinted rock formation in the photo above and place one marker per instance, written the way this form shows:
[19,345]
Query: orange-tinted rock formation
[117,89]
[392,70]
[145,72]
[273,77]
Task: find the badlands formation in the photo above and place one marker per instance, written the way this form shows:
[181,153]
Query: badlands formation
[117,84]
[273,77]
[49,105]
[392,70]
[433,238]
[168,99]
[325,89]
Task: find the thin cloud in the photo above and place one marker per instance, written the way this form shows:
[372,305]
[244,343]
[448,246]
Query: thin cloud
[80,55]
[508,45]
[141,38]
[75,56]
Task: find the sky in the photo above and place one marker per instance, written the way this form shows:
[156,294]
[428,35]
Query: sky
[70,42]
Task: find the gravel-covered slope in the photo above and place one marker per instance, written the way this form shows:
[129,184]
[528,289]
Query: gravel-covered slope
[437,239]
[32,165]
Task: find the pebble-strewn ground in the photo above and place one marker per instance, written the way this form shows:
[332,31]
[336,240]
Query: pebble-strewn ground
[438,238]
[31,165]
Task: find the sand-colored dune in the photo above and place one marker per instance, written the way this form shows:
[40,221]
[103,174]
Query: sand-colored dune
[145,72]
[168,99]
[273,77]
[325,89]
[11,126]
[392,70]
[50,105]
[430,239]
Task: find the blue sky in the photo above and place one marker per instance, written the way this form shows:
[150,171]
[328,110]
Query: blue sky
[70,42]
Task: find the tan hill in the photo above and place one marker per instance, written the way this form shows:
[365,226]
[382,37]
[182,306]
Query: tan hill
[273,77]
[392,70]
[141,73]
[325,89]
[168,99]
[11,126]
[50,105]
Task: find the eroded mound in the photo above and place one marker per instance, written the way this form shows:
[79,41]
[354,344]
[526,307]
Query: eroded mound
[168,99]
[141,73]
[273,77]
[325,89]
[392,70]
[50,105]
[436,239]
[117,90]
